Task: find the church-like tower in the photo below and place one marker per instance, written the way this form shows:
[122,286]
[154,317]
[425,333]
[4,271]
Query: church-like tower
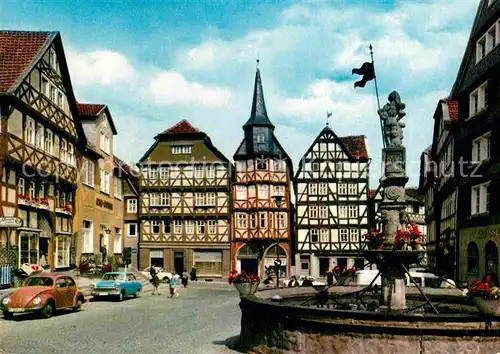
[261,195]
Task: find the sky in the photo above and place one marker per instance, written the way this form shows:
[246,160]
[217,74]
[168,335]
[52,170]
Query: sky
[155,63]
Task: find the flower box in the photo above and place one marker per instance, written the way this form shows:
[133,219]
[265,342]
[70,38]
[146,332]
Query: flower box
[246,284]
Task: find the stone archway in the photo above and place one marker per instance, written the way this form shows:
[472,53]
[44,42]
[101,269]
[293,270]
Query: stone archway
[270,255]
[247,259]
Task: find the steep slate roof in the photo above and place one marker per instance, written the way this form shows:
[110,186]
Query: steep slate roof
[258,115]
[18,50]
[182,127]
[90,109]
[355,145]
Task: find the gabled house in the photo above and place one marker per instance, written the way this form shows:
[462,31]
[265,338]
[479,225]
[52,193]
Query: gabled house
[40,134]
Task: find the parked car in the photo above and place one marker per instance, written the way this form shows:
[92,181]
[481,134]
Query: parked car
[162,274]
[117,284]
[422,278]
[44,294]
[301,279]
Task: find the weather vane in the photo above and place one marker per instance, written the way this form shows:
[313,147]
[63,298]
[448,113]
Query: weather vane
[328,115]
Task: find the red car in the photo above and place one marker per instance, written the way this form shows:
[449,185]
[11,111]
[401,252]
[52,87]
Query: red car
[44,294]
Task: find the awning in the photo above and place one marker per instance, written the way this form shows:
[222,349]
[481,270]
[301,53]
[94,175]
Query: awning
[206,256]
[156,254]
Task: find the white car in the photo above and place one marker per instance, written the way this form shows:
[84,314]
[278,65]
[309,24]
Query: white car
[301,279]
[162,274]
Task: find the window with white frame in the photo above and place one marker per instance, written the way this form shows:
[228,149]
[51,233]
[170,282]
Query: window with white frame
[323,188]
[198,171]
[181,149]
[323,234]
[263,220]
[60,100]
[241,166]
[354,235]
[153,173]
[118,245]
[313,188]
[353,189]
[154,199]
[30,131]
[343,211]
[314,235]
[63,154]
[104,141]
[486,43]
[132,230]
[313,211]
[353,211]
[253,221]
[481,148]
[200,227]
[323,212]
[49,141]
[32,190]
[189,226]
[279,191]
[53,94]
[71,154]
[210,171]
[280,165]
[88,172]
[478,99]
[40,136]
[105,176]
[156,226]
[211,199]
[344,235]
[45,86]
[342,188]
[212,226]
[241,192]
[132,205]
[88,237]
[164,199]
[117,186]
[263,191]
[199,199]
[164,172]
[41,192]
[20,186]
[480,199]
[178,226]
[53,58]
[242,221]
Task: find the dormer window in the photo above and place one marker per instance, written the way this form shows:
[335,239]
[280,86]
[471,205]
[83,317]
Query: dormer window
[478,99]
[486,43]
[260,139]
[105,142]
[181,149]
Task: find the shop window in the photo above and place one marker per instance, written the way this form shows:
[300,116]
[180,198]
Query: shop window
[473,258]
[28,249]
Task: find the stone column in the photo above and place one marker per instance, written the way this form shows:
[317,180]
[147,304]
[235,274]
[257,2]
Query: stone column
[314,266]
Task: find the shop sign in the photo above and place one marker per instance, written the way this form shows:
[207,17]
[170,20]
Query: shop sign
[134,250]
[104,204]
[10,221]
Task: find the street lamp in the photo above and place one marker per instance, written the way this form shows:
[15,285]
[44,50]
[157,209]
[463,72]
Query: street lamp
[277,262]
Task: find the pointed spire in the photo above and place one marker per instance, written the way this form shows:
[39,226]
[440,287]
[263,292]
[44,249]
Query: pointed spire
[258,115]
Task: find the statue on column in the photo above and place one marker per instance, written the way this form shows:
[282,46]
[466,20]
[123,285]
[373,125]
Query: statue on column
[390,115]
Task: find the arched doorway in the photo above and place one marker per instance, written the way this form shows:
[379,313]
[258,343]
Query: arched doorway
[271,255]
[247,259]
[491,261]
[473,258]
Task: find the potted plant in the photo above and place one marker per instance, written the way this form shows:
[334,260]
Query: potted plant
[485,296]
[245,283]
[343,276]
[374,239]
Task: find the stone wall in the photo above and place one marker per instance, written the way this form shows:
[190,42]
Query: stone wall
[268,327]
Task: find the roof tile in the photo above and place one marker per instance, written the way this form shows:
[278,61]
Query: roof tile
[355,145]
[452,108]
[89,109]
[18,49]
[183,127]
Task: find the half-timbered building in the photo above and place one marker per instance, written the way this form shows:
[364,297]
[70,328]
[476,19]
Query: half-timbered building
[262,226]
[331,196]
[99,204]
[184,189]
[40,133]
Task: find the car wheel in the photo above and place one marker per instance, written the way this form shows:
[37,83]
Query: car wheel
[136,295]
[166,280]
[48,310]
[8,315]
[78,306]
[121,295]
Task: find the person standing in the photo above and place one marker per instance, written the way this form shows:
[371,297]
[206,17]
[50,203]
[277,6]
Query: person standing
[173,285]
[185,277]
[155,280]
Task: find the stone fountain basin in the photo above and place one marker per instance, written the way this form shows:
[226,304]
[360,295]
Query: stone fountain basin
[290,328]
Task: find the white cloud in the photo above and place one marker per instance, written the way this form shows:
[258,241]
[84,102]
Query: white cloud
[102,67]
[170,88]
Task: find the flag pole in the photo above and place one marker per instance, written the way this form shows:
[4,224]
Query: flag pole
[376,92]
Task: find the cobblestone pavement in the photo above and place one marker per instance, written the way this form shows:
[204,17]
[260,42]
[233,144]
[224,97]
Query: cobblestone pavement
[203,319]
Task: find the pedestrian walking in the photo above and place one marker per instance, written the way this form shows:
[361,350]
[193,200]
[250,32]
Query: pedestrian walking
[155,280]
[185,277]
[193,274]
[173,285]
